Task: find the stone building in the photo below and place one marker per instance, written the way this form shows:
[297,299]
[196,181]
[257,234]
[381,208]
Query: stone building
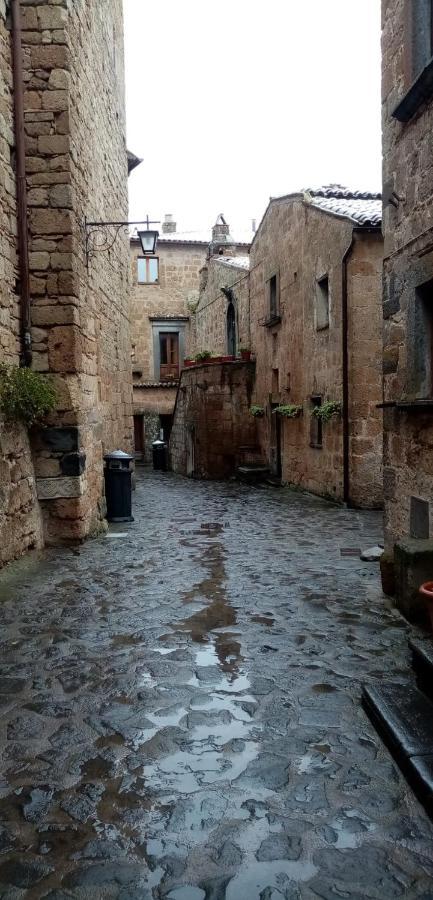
[407,93]
[315,287]
[165,293]
[78,334]
[309,310]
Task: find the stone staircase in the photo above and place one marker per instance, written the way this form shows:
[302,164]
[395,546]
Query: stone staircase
[403,716]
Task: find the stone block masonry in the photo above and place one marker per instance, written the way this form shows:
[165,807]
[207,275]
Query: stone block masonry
[408,271]
[76,167]
[212,423]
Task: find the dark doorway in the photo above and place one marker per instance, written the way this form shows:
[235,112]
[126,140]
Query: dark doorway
[166,423]
[276,454]
[231,330]
[139,437]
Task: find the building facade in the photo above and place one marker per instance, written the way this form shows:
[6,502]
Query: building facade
[52,485]
[315,287]
[407,113]
[165,293]
[307,304]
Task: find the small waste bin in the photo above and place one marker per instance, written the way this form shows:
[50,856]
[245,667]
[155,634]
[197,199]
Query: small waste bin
[160,455]
[118,486]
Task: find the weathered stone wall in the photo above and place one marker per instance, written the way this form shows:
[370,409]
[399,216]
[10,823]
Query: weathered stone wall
[408,231]
[212,420]
[20,521]
[210,318]
[178,285]
[295,361]
[76,163]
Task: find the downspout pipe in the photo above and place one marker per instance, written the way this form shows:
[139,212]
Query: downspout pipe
[22,207]
[345,372]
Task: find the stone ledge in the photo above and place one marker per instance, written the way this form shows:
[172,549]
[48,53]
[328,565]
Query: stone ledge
[60,488]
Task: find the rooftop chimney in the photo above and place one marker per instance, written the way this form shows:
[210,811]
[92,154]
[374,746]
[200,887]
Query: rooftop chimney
[168,226]
[220,231]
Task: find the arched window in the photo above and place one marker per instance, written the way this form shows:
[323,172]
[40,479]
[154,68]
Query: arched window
[231,329]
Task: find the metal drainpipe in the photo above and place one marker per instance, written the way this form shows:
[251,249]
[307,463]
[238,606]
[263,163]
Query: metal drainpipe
[22,210]
[345,366]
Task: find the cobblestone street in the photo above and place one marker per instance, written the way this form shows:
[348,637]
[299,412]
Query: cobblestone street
[180,708]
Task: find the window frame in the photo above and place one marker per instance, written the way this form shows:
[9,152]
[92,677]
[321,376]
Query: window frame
[319,294]
[147,260]
[273,315]
[419,84]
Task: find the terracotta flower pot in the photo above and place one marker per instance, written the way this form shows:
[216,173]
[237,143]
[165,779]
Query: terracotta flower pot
[214,360]
[188,362]
[225,359]
[426,591]
[246,355]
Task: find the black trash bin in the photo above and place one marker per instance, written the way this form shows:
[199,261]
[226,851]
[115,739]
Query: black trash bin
[160,455]
[118,486]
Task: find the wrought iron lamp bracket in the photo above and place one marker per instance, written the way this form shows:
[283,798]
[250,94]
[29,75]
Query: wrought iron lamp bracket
[100,237]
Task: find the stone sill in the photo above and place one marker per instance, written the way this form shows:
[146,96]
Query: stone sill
[407,405]
[156,384]
[273,320]
[420,92]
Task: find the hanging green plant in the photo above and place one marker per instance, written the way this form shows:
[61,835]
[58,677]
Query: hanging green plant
[327,411]
[257,411]
[25,396]
[291,411]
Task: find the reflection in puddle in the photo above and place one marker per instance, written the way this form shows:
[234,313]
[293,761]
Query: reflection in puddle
[254,877]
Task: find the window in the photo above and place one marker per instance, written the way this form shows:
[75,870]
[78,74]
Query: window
[418,58]
[148,269]
[169,356]
[422,35]
[322,303]
[273,297]
[421,351]
[316,426]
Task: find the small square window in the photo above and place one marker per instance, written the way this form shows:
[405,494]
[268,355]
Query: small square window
[322,303]
[148,270]
[316,431]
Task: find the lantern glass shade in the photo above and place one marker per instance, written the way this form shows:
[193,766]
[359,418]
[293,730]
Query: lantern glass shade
[148,240]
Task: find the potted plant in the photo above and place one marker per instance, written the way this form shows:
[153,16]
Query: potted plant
[188,361]
[291,411]
[327,411]
[426,591]
[257,411]
[245,354]
[203,357]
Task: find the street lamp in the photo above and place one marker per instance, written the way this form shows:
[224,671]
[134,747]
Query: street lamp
[148,240]
[99,237]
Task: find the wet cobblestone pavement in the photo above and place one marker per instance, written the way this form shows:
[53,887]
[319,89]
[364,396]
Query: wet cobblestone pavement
[179,709]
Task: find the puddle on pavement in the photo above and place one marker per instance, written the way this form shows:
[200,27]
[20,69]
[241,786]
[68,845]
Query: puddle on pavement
[254,877]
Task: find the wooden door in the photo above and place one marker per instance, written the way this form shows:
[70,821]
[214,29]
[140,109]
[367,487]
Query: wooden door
[169,357]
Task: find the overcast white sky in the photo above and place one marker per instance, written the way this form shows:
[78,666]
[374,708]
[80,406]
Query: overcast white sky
[233,101]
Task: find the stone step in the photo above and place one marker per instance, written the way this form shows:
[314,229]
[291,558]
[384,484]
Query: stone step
[403,716]
[422,663]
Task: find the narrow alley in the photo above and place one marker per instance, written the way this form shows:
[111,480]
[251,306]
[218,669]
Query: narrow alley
[180,713]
